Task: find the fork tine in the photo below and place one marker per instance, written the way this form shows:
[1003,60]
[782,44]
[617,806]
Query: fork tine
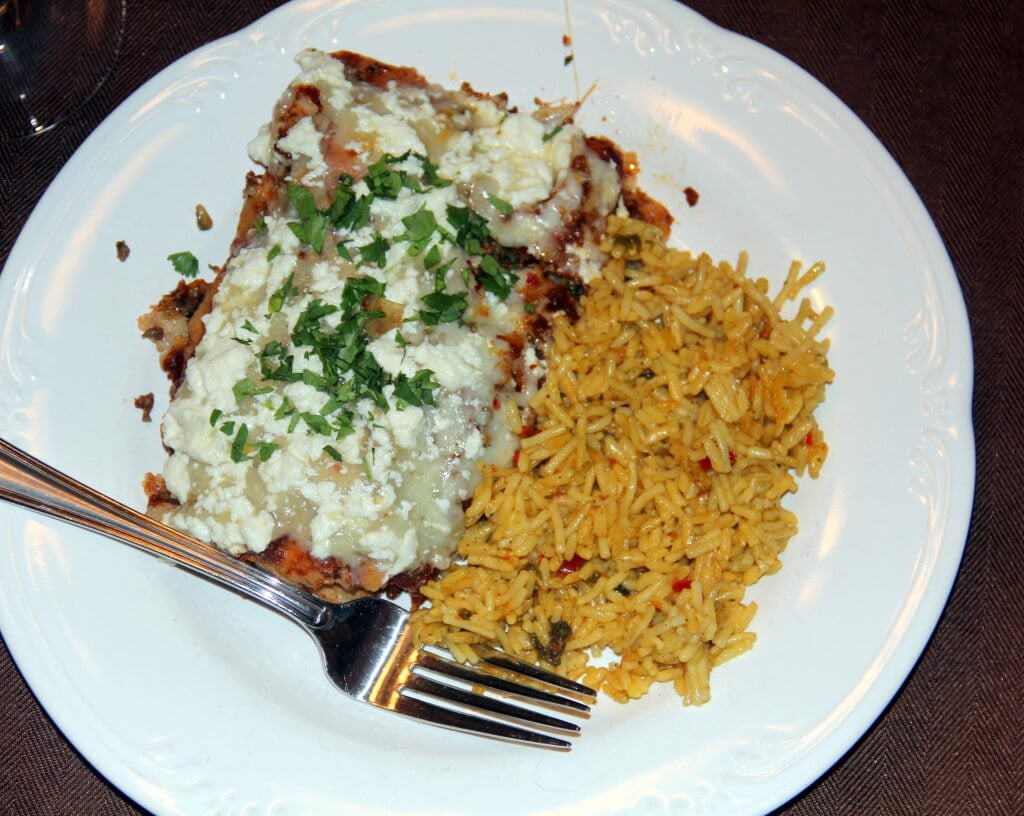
[449,668]
[477,701]
[502,660]
[459,721]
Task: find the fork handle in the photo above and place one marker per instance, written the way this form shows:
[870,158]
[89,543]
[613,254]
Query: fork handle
[26,481]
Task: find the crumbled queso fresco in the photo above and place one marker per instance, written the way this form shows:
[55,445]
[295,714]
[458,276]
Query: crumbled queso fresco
[354,373]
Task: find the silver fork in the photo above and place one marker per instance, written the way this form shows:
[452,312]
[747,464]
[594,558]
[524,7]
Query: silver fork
[366,644]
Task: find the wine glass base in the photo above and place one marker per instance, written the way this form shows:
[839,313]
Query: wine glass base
[54,55]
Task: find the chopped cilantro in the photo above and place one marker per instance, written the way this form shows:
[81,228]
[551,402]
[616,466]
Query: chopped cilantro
[358,289]
[419,229]
[551,134]
[314,224]
[329,407]
[349,210]
[376,251]
[313,379]
[309,321]
[442,307]
[238,444]
[419,390]
[432,258]
[356,215]
[311,231]
[470,229]
[343,424]
[529,308]
[316,423]
[286,409]
[495,278]
[247,388]
[385,181]
[278,298]
[273,349]
[302,200]
[215,414]
[349,371]
[430,174]
[440,274]
[265,450]
[260,224]
[344,195]
[282,372]
[500,205]
[185,264]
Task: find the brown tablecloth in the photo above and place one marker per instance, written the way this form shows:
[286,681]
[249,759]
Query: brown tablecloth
[942,86]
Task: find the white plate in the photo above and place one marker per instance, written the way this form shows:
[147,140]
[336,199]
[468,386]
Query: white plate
[194,701]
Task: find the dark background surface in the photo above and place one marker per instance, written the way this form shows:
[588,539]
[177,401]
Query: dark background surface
[941,85]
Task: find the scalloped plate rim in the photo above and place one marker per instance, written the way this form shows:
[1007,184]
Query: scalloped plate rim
[957,518]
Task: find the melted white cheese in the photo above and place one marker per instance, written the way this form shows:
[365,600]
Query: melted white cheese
[394,499]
